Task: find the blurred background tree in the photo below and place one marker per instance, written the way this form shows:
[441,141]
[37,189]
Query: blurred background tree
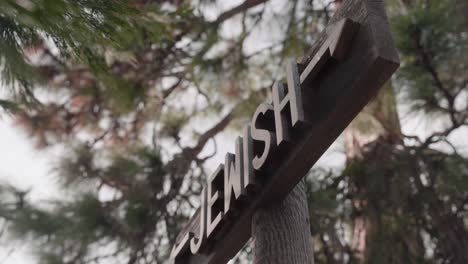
[138,91]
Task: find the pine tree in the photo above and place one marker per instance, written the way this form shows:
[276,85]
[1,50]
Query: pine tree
[124,88]
[125,85]
[402,198]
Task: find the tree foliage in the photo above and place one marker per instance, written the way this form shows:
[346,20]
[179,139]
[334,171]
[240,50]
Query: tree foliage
[138,91]
[402,198]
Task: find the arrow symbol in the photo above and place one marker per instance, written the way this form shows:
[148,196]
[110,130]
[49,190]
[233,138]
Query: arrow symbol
[336,46]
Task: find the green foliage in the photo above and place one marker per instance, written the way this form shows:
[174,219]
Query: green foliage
[433,49]
[130,85]
[77,166]
[89,215]
[9,106]
[30,221]
[49,258]
[138,210]
[81,32]
[21,26]
[107,73]
[173,122]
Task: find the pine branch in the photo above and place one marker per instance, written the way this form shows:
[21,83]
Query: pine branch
[247,4]
[180,164]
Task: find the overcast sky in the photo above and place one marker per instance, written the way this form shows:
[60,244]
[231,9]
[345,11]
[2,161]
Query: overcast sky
[26,167]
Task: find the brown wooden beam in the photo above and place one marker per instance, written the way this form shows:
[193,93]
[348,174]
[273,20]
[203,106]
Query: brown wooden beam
[332,98]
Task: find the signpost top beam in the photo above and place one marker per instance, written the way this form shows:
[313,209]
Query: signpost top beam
[334,90]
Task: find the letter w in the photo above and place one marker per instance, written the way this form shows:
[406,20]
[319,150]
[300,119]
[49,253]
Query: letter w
[233,178]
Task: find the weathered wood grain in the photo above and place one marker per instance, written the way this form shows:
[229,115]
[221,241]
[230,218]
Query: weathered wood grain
[280,231]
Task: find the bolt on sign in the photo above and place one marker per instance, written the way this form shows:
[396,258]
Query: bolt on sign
[345,68]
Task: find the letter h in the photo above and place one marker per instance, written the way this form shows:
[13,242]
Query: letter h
[293,99]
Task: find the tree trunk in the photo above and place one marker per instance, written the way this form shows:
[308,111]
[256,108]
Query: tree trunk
[281,231]
[367,141]
[378,120]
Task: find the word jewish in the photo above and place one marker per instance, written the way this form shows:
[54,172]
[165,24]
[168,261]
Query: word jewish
[240,177]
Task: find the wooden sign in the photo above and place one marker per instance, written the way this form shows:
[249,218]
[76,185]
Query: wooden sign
[350,61]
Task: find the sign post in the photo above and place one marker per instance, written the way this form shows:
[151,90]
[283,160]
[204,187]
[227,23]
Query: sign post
[343,70]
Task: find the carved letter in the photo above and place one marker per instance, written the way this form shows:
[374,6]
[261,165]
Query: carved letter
[260,134]
[196,242]
[281,101]
[214,201]
[233,177]
[249,173]
[183,245]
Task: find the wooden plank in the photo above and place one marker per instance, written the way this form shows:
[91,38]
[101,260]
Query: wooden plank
[333,98]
